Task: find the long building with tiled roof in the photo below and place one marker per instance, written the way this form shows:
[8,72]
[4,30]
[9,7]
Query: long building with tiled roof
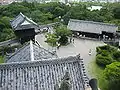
[91,26]
[92,29]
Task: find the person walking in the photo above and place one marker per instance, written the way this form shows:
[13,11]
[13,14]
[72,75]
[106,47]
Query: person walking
[73,40]
[90,52]
[58,46]
[70,39]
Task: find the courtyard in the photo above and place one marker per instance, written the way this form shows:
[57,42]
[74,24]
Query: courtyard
[80,46]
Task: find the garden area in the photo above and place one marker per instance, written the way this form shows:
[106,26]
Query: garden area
[106,67]
[59,37]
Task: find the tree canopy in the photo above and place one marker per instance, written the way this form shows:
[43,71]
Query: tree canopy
[112,74]
[43,13]
[63,33]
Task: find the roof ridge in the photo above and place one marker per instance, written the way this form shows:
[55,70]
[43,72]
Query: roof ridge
[31,48]
[43,48]
[45,61]
[86,21]
[31,21]
[19,22]
[20,14]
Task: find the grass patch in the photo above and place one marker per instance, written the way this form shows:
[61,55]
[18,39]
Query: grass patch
[1,59]
[97,72]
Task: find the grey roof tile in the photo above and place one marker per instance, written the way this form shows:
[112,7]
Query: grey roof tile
[41,75]
[24,53]
[90,26]
[17,23]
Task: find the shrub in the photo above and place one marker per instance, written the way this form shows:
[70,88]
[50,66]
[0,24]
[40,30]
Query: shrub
[98,50]
[105,47]
[103,60]
[116,55]
[108,48]
[1,59]
[63,40]
[104,53]
[112,74]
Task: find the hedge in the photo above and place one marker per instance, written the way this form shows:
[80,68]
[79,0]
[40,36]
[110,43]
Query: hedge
[103,60]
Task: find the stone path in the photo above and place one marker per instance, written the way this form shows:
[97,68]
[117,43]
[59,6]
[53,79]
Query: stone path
[80,46]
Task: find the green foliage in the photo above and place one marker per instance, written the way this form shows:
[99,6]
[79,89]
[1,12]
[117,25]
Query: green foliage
[97,72]
[62,32]
[51,39]
[5,31]
[63,40]
[1,59]
[116,12]
[105,48]
[103,60]
[6,34]
[2,25]
[6,21]
[106,55]
[116,55]
[112,74]
[43,13]
[60,36]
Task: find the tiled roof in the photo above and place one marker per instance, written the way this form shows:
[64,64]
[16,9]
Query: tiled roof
[90,26]
[22,22]
[41,75]
[25,53]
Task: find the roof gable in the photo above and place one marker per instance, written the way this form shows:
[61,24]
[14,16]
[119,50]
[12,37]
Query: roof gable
[21,20]
[30,52]
[25,23]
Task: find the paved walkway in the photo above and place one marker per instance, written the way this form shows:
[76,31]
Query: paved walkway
[80,46]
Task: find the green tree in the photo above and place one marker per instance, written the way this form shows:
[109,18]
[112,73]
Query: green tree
[116,55]
[6,34]
[51,39]
[116,12]
[1,59]
[112,74]
[62,33]
[58,11]
[2,25]
[103,60]
[6,21]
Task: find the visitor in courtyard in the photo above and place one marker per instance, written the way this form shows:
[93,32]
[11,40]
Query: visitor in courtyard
[58,46]
[90,52]
[73,40]
[70,39]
